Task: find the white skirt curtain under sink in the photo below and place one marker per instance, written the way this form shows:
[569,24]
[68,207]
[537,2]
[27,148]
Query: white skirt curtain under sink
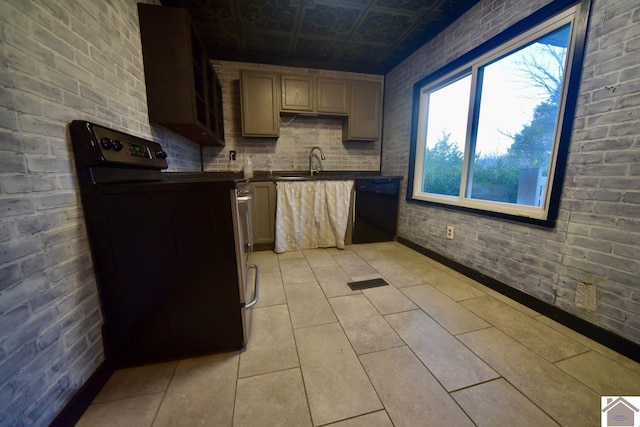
[311,214]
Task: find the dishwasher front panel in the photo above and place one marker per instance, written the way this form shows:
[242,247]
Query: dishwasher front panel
[376,210]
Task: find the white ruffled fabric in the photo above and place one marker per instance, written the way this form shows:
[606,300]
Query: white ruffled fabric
[311,214]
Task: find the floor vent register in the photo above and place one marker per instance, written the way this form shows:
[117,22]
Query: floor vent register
[365,284]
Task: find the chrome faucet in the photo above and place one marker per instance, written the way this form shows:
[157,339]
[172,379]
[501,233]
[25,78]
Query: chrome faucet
[313,171]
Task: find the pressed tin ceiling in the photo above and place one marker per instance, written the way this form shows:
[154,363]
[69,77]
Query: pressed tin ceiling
[368,36]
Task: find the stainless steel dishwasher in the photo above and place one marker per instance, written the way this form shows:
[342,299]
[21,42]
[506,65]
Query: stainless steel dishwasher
[376,210]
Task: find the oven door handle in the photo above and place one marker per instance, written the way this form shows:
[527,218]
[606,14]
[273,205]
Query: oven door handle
[255,289]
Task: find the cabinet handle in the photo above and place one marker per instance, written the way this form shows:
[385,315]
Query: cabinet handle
[255,288]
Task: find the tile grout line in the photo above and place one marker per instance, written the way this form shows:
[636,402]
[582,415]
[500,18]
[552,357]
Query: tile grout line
[421,361]
[588,348]
[353,349]
[235,391]
[295,343]
[405,344]
[480,358]
[164,394]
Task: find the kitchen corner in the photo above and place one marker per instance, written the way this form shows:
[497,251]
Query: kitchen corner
[288,150]
[562,301]
[373,204]
[372,207]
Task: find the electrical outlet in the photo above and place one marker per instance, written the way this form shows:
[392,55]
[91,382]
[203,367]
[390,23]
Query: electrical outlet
[450,232]
[586,296]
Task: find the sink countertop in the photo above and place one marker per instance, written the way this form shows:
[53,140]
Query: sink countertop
[323,175]
[262,176]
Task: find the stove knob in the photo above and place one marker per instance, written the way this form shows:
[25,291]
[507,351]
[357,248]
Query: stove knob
[117,145]
[161,154]
[106,143]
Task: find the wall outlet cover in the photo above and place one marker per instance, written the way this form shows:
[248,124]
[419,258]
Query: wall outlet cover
[450,232]
[586,296]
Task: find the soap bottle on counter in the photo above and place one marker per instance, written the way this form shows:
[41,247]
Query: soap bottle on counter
[248,167]
[269,167]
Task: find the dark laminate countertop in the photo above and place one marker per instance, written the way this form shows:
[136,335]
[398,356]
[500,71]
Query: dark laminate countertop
[239,179]
[323,175]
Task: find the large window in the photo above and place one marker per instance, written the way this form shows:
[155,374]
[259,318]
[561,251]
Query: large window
[491,131]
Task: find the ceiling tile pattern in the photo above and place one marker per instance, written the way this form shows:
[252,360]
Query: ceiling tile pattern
[368,36]
[329,22]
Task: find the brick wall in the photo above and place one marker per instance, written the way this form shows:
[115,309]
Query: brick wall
[595,246]
[60,60]
[290,151]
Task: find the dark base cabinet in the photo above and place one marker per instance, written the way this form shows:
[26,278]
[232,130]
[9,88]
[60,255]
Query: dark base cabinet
[166,269]
[376,212]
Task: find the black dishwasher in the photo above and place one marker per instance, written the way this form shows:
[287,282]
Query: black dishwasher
[376,210]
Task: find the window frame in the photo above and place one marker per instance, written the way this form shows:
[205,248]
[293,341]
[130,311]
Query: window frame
[544,21]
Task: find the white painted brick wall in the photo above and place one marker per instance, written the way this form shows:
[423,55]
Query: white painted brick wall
[60,60]
[289,152]
[597,237]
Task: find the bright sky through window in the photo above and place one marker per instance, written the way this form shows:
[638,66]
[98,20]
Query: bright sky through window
[488,127]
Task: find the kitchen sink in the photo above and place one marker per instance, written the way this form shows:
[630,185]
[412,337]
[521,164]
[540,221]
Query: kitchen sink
[291,177]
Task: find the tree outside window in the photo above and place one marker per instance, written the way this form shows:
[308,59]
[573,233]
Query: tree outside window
[488,131]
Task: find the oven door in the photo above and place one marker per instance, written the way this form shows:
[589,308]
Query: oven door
[247,273]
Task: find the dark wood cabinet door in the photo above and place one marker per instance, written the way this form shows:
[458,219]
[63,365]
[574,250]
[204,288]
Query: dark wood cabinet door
[183,92]
[259,99]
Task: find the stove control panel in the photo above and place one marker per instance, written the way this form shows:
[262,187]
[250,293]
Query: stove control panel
[118,148]
[135,150]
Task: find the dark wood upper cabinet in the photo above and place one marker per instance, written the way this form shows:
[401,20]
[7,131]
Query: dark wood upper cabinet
[183,91]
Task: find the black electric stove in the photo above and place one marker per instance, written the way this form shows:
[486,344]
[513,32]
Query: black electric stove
[170,267]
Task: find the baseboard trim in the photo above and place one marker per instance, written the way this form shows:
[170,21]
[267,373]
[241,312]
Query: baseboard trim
[81,400]
[603,336]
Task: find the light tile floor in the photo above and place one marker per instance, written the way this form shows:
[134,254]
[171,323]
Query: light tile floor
[432,348]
